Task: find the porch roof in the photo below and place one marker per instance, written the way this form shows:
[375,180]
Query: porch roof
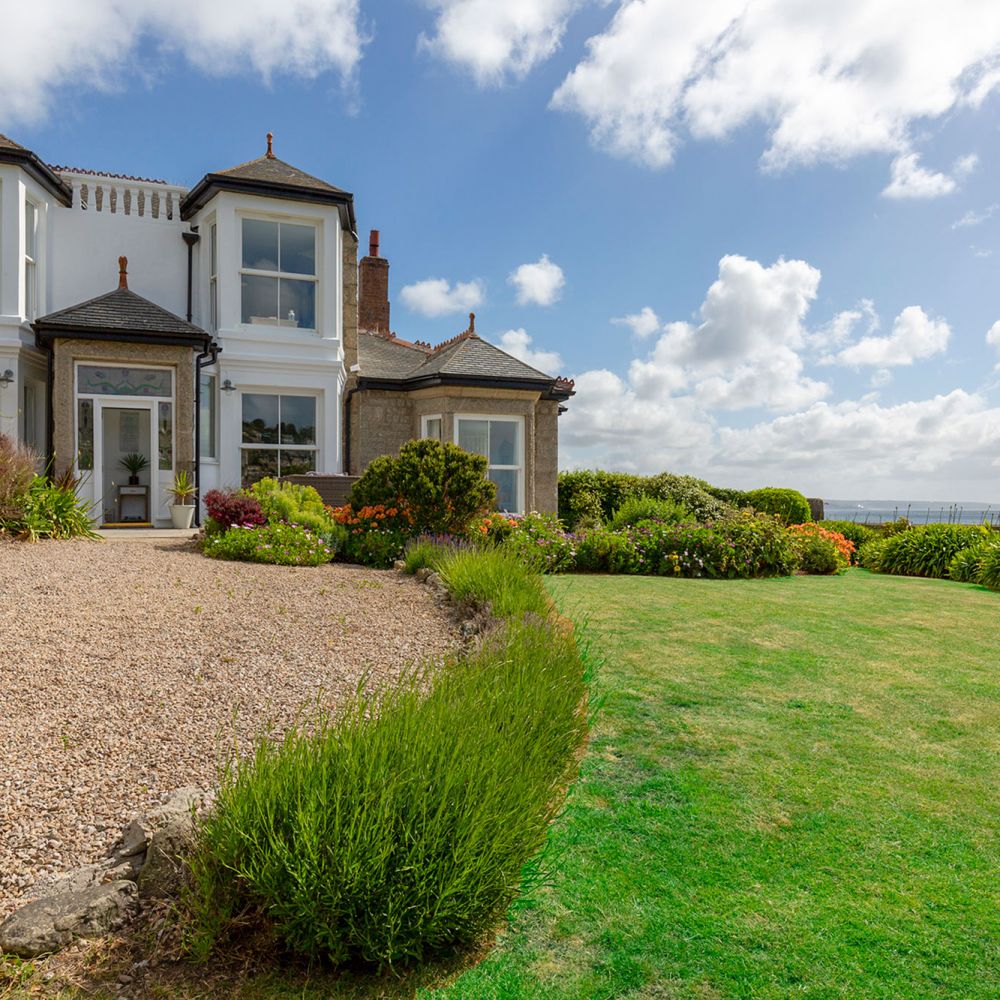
[120,315]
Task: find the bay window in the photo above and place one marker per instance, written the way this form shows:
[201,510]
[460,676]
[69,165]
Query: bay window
[278,276]
[431,427]
[279,436]
[501,440]
[208,417]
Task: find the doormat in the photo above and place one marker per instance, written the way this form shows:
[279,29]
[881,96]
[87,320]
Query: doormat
[128,524]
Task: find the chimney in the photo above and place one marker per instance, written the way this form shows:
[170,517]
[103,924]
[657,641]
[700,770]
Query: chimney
[373,289]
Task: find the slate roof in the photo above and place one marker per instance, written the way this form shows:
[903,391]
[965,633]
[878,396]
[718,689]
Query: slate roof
[123,315]
[463,359]
[61,169]
[14,152]
[271,170]
[270,177]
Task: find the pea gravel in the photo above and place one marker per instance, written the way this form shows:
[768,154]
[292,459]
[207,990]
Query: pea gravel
[126,666]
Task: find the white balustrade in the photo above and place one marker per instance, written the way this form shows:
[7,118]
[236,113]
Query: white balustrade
[135,199]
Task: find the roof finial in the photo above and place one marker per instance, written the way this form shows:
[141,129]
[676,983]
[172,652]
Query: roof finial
[472,322]
[270,141]
[123,272]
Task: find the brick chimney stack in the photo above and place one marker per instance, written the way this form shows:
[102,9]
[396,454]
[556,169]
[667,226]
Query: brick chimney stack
[373,289]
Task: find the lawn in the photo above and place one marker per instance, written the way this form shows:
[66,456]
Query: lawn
[791,792]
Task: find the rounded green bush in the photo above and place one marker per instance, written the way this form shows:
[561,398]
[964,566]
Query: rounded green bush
[817,556]
[790,505]
[648,509]
[443,487]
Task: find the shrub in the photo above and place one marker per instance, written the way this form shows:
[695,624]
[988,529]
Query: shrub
[377,534]
[49,509]
[493,528]
[600,550]
[540,542]
[870,554]
[17,473]
[444,487]
[294,504]
[229,508]
[965,564]
[889,528]
[927,550]
[402,826]
[853,532]
[278,543]
[989,568]
[687,491]
[648,509]
[495,576]
[843,547]
[818,551]
[790,505]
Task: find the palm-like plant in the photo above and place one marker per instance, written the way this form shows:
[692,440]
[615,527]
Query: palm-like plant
[134,463]
[183,489]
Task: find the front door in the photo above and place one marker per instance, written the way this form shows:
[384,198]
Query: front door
[128,465]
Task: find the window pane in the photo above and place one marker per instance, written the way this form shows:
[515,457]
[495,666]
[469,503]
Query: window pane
[29,229]
[260,299]
[29,289]
[213,304]
[260,245]
[433,428]
[85,434]
[166,436]
[30,436]
[506,480]
[503,442]
[474,435]
[260,419]
[298,249]
[258,463]
[297,463]
[100,380]
[213,243]
[298,420]
[298,303]
[208,412]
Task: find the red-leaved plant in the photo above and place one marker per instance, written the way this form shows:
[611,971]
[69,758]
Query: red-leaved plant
[234,507]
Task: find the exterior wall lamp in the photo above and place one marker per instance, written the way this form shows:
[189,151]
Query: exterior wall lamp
[6,378]
[227,385]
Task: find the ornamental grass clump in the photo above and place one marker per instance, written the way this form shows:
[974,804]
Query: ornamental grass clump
[965,565]
[498,577]
[648,509]
[989,567]
[403,825]
[929,549]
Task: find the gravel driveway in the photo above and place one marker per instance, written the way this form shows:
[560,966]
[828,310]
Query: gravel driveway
[124,666]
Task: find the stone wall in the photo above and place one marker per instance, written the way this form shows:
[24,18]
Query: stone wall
[383,421]
[67,351]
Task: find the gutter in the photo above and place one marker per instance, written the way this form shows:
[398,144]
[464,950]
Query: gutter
[348,396]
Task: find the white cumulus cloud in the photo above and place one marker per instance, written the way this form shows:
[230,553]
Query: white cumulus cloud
[518,342]
[539,284]
[643,323]
[438,297]
[974,218]
[914,337]
[993,339]
[55,44]
[910,180]
[830,81]
[494,40]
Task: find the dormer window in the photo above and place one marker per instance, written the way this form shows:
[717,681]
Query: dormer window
[279,274]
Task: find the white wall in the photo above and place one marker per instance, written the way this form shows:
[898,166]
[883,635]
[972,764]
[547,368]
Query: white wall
[86,246]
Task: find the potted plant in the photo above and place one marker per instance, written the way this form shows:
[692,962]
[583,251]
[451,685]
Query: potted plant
[133,464]
[183,492]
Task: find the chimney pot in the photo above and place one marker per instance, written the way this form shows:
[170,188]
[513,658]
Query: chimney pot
[123,272]
[472,322]
[373,243]
[270,141]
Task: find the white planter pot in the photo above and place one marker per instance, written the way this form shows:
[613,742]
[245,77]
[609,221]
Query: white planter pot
[182,515]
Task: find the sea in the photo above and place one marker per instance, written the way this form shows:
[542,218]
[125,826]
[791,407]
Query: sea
[920,512]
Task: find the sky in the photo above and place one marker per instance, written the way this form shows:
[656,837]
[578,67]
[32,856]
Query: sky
[761,235]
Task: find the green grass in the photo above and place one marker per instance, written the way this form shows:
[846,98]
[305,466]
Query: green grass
[791,792]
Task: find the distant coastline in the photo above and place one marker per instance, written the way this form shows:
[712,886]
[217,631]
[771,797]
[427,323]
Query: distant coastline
[918,511]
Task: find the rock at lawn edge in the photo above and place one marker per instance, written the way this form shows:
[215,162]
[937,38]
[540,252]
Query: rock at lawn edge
[53,922]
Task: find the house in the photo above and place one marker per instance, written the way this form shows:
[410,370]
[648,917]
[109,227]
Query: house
[229,330]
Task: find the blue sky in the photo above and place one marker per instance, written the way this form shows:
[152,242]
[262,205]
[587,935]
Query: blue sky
[727,175]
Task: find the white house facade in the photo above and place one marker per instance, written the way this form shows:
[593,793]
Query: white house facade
[216,330]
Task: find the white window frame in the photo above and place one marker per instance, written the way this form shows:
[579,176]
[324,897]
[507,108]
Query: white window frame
[214,396]
[287,275]
[316,447]
[425,420]
[30,261]
[521,469]
[213,277]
